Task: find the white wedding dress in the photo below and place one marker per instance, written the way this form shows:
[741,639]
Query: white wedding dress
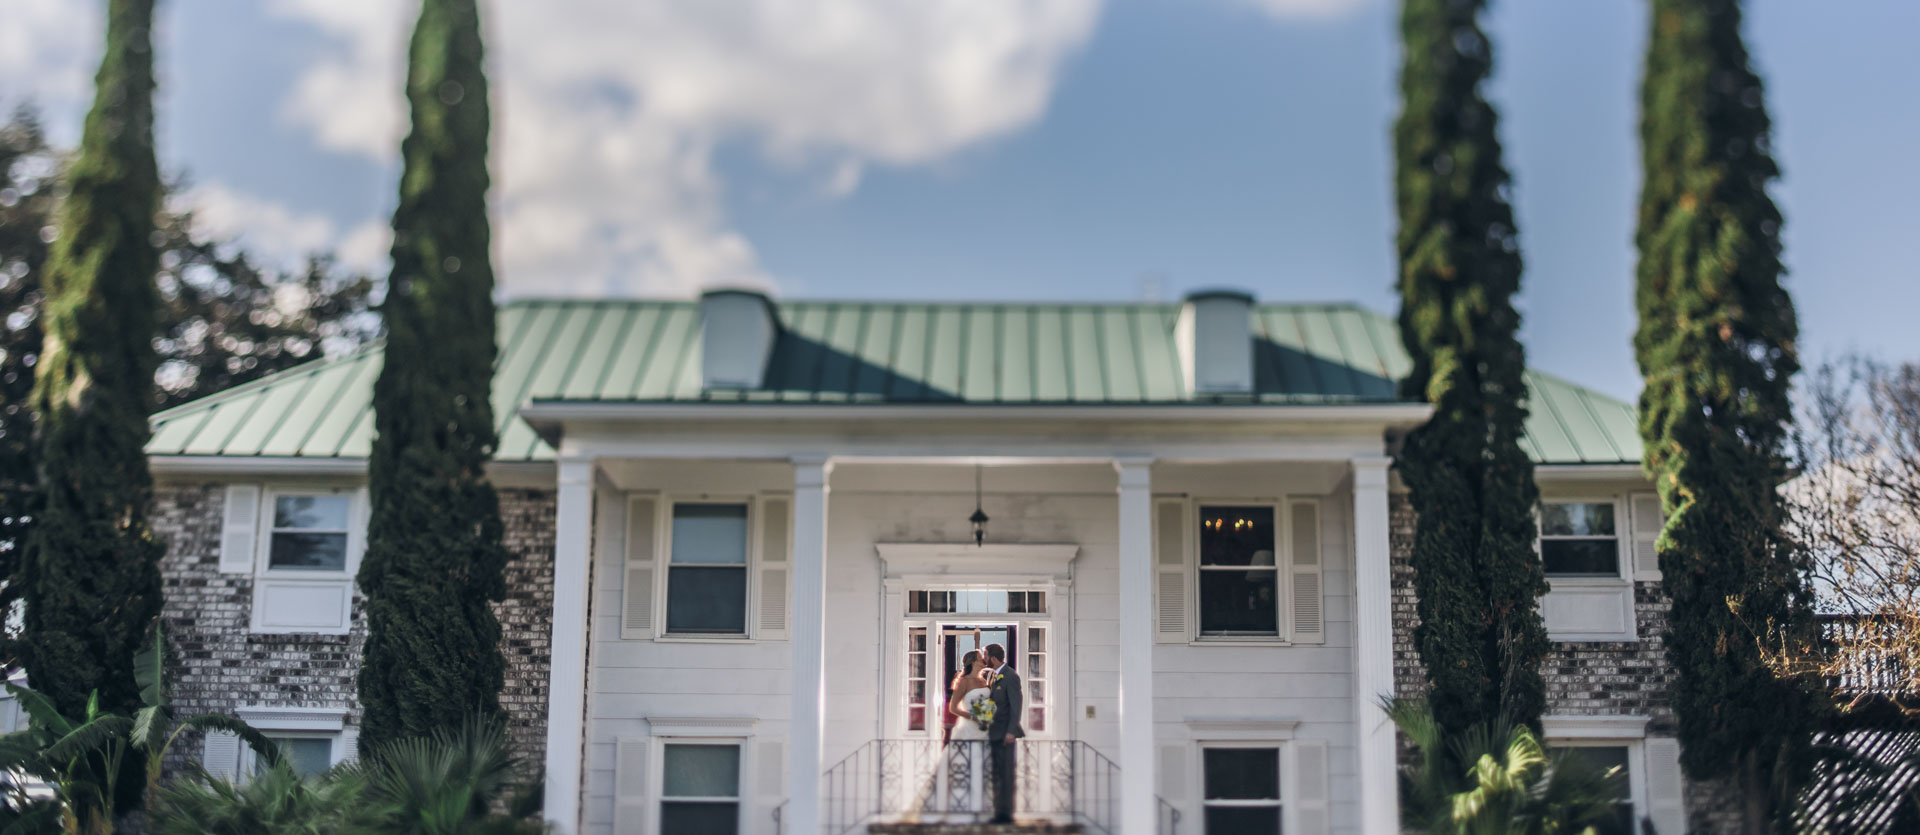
[964,727]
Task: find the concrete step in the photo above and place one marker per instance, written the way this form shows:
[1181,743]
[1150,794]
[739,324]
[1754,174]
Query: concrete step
[1015,828]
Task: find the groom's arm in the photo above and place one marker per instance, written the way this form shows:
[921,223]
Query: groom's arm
[1016,698]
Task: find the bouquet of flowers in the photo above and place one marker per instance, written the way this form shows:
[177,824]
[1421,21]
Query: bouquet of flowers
[982,713]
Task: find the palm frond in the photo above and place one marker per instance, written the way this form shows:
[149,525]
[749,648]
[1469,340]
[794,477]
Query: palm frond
[150,668]
[96,735]
[41,710]
[261,745]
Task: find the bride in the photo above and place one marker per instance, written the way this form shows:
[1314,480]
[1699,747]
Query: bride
[969,688]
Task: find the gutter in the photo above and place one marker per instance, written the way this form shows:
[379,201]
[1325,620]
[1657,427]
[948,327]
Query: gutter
[552,412]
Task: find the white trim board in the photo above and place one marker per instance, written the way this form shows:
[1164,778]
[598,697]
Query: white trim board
[942,560]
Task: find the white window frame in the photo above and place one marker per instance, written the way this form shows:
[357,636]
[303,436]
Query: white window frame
[743,799]
[267,578]
[1613,591]
[293,723]
[664,567]
[1282,563]
[1595,732]
[1281,765]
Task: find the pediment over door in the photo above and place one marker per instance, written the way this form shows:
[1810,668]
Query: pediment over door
[963,561]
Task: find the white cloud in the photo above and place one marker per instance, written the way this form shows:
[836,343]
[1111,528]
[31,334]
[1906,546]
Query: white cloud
[607,112]
[273,233]
[1288,10]
[364,247]
[48,51]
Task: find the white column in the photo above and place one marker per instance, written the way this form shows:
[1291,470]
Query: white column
[1373,647]
[567,683]
[1139,807]
[809,634]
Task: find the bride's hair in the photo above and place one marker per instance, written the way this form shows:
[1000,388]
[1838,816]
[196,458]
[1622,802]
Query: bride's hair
[967,661]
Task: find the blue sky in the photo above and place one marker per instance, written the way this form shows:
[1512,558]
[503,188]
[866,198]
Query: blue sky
[1009,149]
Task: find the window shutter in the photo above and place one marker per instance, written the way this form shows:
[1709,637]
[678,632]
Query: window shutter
[1647,522]
[776,521]
[771,786]
[350,745]
[630,786]
[1309,607]
[1173,624]
[221,756]
[1665,804]
[636,609]
[238,531]
[1310,788]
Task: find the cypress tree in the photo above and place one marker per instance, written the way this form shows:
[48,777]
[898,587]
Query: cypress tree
[1475,568]
[90,576]
[434,558]
[1716,347]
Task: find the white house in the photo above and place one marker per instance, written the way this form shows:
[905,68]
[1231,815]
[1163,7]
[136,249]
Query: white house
[745,565]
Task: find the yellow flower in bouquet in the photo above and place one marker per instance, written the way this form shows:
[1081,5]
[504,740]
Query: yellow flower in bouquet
[982,712]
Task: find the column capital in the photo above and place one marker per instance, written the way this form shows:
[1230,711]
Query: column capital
[1371,470]
[1136,471]
[811,470]
[574,471]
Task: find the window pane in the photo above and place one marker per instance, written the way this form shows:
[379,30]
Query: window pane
[321,512]
[1236,536]
[1239,601]
[307,756]
[1601,759]
[1580,557]
[317,551]
[1036,719]
[1262,821]
[682,818]
[1594,519]
[702,771]
[1036,665]
[707,599]
[1242,773]
[710,534]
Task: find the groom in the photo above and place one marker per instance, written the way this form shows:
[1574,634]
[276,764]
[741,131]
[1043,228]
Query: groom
[1003,731]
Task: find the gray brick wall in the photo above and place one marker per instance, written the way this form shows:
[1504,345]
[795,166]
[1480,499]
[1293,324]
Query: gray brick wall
[219,665]
[1587,678]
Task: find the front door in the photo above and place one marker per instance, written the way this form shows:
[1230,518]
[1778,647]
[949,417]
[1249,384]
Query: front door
[937,630]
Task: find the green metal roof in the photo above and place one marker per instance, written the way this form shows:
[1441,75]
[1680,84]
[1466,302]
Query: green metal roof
[647,351]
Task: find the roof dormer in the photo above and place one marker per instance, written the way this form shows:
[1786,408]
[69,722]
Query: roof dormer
[737,332]
[1215,340]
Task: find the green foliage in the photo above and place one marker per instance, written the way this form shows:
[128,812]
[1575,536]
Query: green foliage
[86,757]
[90,575]
[434,558]
[444,785]
[1716,346]
[1476,572]
[1496,779]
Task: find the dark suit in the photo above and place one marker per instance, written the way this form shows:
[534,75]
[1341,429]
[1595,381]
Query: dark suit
[1008,703]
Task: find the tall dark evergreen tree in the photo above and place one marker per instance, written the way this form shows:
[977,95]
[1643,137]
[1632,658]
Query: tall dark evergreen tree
[1475,568]
[434,558]
[90,576]
[1716,346]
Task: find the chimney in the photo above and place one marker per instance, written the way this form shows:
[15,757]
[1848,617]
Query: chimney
[1215,339]
[737,331]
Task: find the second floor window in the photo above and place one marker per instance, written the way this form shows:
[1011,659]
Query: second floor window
[1239,580]
[309,532]
[1579,539]
[707,572]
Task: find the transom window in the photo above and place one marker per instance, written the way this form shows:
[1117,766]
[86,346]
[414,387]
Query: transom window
[700,789]
[707,574]
[309,532]
[977,601]
[1602,759]
[1239,578]
[1579,539]
[1242,790]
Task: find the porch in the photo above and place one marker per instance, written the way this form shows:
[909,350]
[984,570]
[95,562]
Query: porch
[819,687]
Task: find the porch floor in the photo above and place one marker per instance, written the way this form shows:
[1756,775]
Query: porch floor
[1015,828]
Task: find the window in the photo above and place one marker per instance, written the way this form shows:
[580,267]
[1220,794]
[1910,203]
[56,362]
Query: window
[1579,539]
[1036,678]
[700,789]
[1239,580]
[309,755]
[1242,790]
[1602,759]
[309,532]
[917,679]
[977,601]
[707,572]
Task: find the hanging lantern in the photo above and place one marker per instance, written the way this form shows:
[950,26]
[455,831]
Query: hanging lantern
[979,517]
